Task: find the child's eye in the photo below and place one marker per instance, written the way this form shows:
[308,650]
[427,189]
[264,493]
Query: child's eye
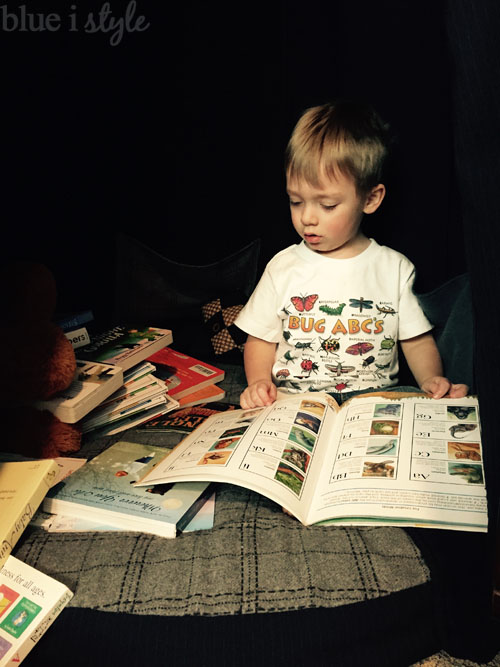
[295,203]
[329,207]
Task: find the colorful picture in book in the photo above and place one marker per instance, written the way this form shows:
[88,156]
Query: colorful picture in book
[226,443]
[461,431]
[298,457]
[379,446]
[461,413]
[308,421]
[379,468]
[313,406]
[7,597]
[302,438]
[20,617]
[4,646]
[290,477]
[464,450]
[384,427]
[467,472]
[387,410]
[234,431]
[215,458]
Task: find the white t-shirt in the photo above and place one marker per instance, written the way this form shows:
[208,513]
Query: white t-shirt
[336,321]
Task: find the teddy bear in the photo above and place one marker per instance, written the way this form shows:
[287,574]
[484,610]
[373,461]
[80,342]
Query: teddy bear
[38,362]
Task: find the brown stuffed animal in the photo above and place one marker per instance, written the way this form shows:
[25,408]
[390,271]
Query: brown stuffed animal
[38,361]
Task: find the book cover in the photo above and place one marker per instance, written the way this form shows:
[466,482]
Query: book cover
[78,337]
[30,601]
[182,373]
[185,420]
[23,485]
[93,383]
[208,394]
[103,490]
[125,346]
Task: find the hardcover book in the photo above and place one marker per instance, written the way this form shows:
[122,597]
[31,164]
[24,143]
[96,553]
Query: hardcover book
[23,485]
[379,459]
[124,346]
[30,601]
[103,490]
[182,373]
[208,394]
[93,383]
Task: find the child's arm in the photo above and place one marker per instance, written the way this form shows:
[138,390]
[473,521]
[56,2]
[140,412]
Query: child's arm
[425,363]
[259,359]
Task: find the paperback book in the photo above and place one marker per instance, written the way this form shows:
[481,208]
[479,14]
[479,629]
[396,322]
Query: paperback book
[208,394]
[30,601]
[23,485]
[103,491]
[182,373]
[186,420]
[124,346]
[93,383]
[379,459]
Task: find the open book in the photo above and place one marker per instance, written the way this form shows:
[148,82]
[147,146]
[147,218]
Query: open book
[384,458]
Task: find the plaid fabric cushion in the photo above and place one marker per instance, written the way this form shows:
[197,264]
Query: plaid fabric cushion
[219,316]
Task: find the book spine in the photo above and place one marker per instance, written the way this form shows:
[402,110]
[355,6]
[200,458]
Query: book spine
[22,520]
[41,628]
[75,321]
[103,339]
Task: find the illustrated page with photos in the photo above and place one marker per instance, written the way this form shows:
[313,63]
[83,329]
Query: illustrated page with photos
[415,458]
[274,451]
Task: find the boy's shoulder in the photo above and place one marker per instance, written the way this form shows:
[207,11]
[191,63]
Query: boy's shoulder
[386,253]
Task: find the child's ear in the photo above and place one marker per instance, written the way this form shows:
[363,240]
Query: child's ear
[374,198]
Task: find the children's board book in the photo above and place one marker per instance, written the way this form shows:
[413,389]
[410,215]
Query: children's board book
[124,346]
[29,603]
[23,485]
[183,374]
[93,383]
[103,490]
[186,420]
[385,458]
[211,392]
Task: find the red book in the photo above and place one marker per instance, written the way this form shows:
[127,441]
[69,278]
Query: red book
[183,374]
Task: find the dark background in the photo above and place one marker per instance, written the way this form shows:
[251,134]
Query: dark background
[176,134]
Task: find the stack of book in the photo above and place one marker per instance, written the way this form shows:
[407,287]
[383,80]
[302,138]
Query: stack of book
[126,377]
[106,376]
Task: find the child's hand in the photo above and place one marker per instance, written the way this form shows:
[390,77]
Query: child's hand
[258,394]
[439,387]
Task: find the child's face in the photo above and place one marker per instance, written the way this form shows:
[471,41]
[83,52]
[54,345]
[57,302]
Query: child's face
[328,217]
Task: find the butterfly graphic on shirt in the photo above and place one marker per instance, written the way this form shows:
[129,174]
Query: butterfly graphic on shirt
[304,303]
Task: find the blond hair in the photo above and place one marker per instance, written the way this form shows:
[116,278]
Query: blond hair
[346,136]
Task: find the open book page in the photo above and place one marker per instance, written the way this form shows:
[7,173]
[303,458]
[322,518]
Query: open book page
[274,451]
[414,459]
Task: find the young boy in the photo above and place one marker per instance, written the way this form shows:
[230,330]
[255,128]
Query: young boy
[328,312]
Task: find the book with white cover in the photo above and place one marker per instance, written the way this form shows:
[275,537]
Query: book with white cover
[29,603]
[92,384]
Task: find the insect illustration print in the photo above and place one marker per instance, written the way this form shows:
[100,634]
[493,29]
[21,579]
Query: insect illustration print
[283,373]
[340,386]
[288,357]
[303,346]
[369,360]
[339,368]
[332,311]
[388,343]
[309,366]
[287,335]
[385,310]
[359,348]
[361,303]
[304,303]
[329,345]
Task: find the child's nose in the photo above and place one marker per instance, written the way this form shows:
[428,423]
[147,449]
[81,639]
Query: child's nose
[309,217]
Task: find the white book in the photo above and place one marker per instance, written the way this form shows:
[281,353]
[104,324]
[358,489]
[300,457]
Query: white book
[29,603]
